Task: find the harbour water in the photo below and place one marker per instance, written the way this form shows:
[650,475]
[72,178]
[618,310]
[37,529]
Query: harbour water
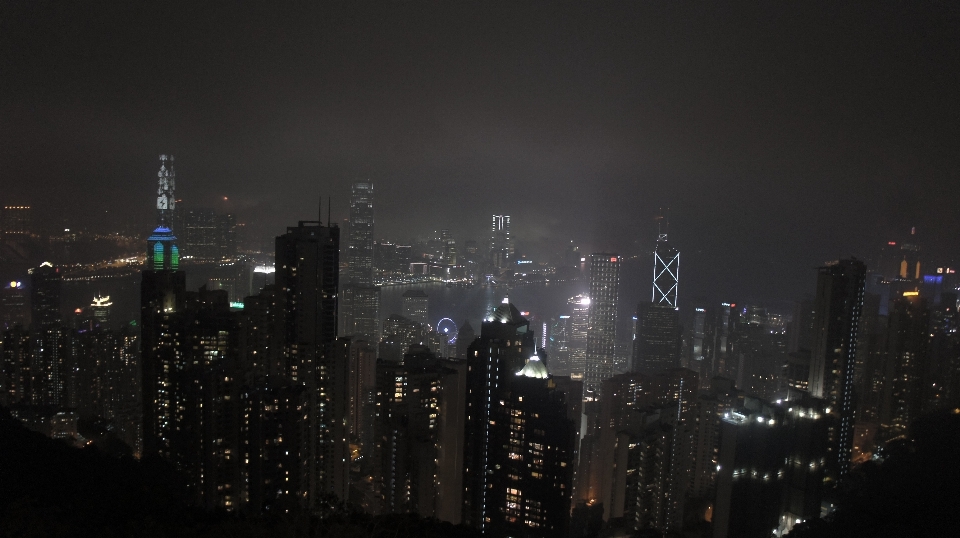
[543,301]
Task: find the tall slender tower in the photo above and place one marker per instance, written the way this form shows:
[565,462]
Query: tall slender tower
[666,270]
[360,244]
[48,364]
[837,306]
[602,321]
[501,245]
[162,301]
[166,200]
[360,300]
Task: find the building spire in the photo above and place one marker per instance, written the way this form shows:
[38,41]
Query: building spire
[166,185]
[663,225]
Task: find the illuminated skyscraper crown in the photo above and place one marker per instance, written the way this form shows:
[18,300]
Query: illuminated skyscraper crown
[162,253]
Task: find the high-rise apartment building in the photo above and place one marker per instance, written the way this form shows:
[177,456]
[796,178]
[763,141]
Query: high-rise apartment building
[602,321]
[17,378]
[518,441]
[307,273]
[905,370]
[419,435]
[837,305]
[14,305]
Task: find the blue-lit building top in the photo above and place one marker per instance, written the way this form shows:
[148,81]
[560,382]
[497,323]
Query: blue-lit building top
[162,253]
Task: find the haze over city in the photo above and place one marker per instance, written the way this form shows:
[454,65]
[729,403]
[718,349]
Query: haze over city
[413,268]
[780,136]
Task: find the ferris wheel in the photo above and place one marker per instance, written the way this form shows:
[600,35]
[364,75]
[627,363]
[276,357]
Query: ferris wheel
[448,329]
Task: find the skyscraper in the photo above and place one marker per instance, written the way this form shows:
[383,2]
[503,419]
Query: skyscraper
[206,235]
[419,420]
[837,305]
[360,300]
[905,369]
[360,243]
[360,310]
[307,273]
[100,308]
[501,244]
[518,440]
[576,334]
[602,323]
[415,306]
[666,272]
[162,300]
[657,346]
[48,366]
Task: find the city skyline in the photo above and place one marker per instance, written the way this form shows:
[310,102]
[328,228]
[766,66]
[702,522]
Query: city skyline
[210,323]
[772,129]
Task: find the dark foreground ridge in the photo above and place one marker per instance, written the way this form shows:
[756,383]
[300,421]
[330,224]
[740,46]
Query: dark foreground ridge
[51,489]
[914,491]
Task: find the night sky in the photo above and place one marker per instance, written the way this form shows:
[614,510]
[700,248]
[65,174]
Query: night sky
[780,136]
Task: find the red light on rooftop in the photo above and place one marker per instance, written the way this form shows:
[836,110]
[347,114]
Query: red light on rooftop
[892,243]
[613,259]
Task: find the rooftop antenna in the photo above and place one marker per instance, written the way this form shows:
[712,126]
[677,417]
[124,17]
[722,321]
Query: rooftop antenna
[320,210]
[328,211]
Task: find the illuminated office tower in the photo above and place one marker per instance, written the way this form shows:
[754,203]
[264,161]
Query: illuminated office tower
[576,335]
[166,197]
[101,310]
[602,321]
[666,272]
[837,305]
[501,244]
[360,299]
[360,241]
[162,300]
